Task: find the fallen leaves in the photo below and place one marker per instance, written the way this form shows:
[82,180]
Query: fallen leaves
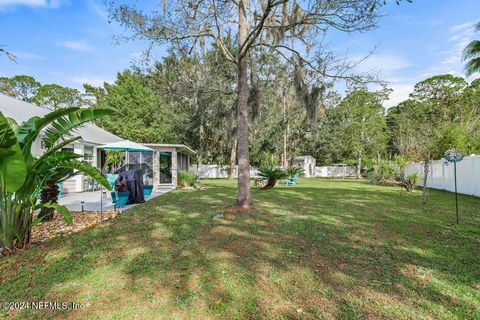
[58,226]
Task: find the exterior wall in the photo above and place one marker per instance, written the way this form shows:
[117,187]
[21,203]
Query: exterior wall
[156,164]
[37,146]
[174,167]
[79,148]
[78,183]
[441,175]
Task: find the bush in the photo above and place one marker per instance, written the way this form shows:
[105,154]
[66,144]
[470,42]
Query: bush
[383,173]
[271,176]
[410,181]
[393,172]
[293,170]
[187,179]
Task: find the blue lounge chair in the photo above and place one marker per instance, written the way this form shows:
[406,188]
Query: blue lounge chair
[112,177]
[292,180]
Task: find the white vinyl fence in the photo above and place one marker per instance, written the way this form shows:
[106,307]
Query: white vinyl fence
[441,175]
[219,171]
[335,171]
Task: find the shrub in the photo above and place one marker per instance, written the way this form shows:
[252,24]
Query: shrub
[383,173]
[293,170]
[271,176]
[410,181]
[187,179]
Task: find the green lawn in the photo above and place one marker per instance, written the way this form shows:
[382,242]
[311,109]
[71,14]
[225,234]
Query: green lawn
[326,249]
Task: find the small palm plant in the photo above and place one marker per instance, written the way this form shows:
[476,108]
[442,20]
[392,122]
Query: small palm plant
[294,170]
[23,176]
[271,175]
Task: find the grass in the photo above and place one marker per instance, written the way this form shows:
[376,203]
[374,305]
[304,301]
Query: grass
[326,249]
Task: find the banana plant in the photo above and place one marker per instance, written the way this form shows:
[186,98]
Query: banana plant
[23,176]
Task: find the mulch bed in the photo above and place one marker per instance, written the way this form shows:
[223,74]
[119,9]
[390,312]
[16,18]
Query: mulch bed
[57,226]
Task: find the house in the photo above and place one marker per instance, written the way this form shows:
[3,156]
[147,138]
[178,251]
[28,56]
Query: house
[164,163]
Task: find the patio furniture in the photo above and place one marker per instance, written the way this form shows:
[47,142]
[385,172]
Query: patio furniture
[292,180]
[60,189]
[147,190]
[120,199]
[92,185]
[135,185]
[112,177]
[131,180]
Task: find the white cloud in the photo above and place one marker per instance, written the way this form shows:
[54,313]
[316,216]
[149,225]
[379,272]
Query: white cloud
[460,27]
[76,45]
[458,38]
[386,64]
[400,93]
[10,4]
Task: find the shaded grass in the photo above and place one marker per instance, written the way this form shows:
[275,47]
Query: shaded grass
[324,249]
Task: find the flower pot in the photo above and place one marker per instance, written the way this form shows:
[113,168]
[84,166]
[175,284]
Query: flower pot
[120,198]
[147,191]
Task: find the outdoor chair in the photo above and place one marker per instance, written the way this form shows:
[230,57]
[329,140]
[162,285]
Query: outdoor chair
[292,180]
[112,177]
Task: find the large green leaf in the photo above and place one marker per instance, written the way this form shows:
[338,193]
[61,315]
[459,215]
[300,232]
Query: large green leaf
[64,125]
[87,169]
[7,135]
[67,216]
[13,170]
[28,131]
[51,151]
[51,171]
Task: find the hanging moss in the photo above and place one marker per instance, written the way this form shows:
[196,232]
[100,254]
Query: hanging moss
[308,97]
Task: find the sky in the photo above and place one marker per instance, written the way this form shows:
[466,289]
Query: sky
[70,42]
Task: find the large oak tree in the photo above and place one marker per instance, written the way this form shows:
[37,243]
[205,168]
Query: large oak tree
[293,29]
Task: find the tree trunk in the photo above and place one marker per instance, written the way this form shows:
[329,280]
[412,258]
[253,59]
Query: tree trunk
[48,194]
[244,196]
[285,134]
[425,178]
[233,159]
[359,168]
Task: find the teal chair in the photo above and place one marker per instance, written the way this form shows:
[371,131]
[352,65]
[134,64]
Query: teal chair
[147,190]
[120,199]
[112,177]
[293,180]
[60,189]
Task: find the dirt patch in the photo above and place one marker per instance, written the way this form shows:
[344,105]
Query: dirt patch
[58,226]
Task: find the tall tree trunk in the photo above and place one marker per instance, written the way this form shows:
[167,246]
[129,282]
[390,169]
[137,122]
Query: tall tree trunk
[233,159]
[426,164]
[285,133]
[359,167]
[244,196]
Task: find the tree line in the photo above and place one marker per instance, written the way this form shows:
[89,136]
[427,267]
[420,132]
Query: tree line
[188,100]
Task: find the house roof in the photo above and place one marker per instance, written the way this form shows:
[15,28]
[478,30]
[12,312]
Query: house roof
[21,111]
[182,147]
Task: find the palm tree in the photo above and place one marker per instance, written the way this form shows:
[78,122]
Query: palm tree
[472,54]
